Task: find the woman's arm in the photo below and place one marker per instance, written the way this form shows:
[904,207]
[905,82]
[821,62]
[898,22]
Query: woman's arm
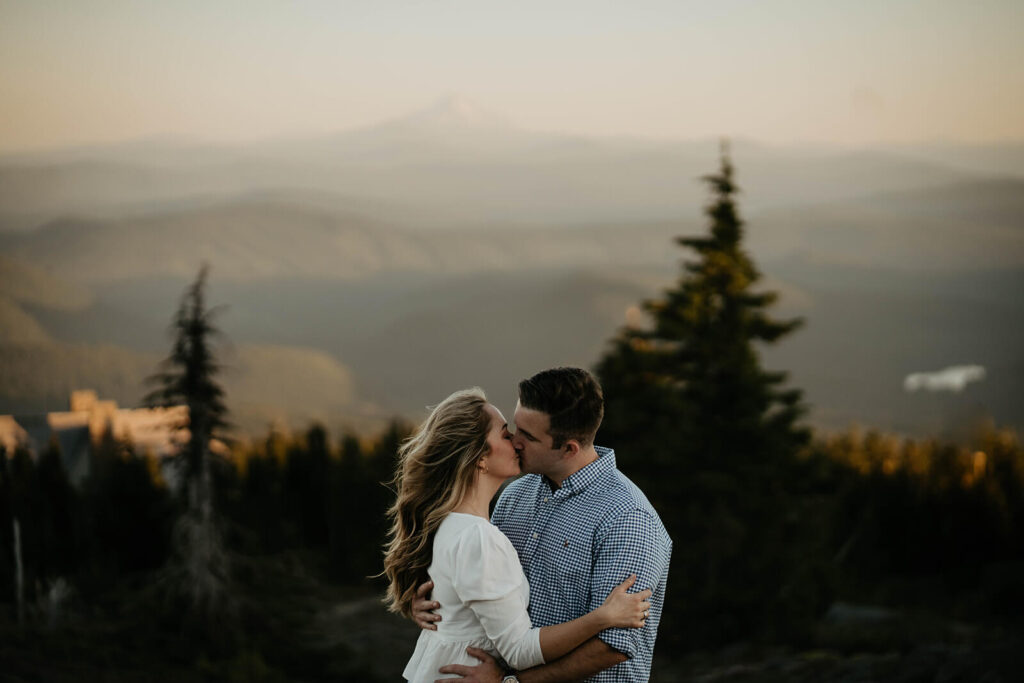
[488,580]
[507,625]
[620,609]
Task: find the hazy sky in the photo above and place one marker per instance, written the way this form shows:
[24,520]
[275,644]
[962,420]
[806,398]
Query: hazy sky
[845,71]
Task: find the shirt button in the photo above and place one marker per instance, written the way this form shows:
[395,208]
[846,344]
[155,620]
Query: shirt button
[546,499]
[535,535]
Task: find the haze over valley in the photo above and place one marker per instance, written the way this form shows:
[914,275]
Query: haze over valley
[370,273]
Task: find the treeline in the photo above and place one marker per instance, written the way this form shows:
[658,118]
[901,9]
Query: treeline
[925,523]
[299,493]
[864,517]
[858,517]
[307,493]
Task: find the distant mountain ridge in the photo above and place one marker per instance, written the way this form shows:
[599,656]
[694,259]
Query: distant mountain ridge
[964,225]
[454,164]
[452,111]
[971,224]
[257,239]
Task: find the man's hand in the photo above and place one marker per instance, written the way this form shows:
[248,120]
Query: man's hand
[423,608]
[487,671]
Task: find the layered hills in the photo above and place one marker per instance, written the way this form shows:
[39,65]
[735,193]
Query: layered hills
[370,273]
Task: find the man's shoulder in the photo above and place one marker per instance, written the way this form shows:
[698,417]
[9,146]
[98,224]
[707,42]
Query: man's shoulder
[524,485]
[621,498]
[616,490]
[523,488]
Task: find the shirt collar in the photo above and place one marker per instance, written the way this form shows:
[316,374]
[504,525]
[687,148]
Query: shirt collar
[582,478]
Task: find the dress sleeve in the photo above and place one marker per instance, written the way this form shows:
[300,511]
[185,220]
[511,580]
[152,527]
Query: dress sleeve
[489,580]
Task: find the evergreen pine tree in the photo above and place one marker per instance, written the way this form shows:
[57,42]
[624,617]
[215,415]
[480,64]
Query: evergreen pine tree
[703,428]
[188,377]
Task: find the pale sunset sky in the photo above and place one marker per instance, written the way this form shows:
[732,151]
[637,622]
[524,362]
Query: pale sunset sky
[849,72]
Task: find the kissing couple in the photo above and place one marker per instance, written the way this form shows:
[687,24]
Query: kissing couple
[564,581]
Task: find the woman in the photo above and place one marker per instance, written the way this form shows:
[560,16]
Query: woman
[448,472]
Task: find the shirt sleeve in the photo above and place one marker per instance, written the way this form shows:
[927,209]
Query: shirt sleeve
[634,543]
[489,580]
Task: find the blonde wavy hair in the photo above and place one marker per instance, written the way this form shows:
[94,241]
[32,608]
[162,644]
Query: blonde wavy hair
[436,468]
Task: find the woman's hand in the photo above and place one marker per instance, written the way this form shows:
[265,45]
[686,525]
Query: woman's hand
[626,610]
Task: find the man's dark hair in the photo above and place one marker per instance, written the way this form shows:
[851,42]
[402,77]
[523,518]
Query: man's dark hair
[571,397]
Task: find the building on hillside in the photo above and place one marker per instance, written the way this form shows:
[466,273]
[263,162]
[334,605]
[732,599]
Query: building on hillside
[148,430]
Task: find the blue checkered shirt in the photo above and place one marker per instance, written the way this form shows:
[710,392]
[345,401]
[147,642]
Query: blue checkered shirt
[578,542]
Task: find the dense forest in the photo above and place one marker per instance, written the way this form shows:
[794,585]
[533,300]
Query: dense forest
[784,540]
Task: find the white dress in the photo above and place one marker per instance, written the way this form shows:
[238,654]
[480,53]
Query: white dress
[483,594]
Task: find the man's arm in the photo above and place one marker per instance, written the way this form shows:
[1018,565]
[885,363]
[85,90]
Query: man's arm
[631,543]
[588,659]
[423,608]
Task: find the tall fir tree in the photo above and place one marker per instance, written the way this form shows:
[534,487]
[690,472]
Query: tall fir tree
[189,377]
[704,429]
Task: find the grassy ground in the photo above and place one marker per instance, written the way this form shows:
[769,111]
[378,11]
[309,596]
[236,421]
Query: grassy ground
[290,624]
[287,624]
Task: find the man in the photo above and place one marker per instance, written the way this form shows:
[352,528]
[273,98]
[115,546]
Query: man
[580,527]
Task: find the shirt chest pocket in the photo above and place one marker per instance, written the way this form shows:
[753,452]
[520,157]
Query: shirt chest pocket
[571,565]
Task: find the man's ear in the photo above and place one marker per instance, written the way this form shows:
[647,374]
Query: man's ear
[570,448]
